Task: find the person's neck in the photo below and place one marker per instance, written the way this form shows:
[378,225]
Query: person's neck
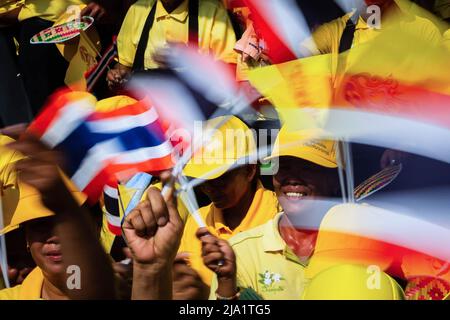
[170,5]
[52,292]
[234,216]
[301,241]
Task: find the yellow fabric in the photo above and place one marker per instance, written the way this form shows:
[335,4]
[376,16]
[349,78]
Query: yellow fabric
[305,145]
[9,189]
[263,208]
[114,103]
[47,9]
[327,37]
[30,289]
[20,201]
[233,141]
[9,5]
[80,52]
[266,264]
[351,282]
[216,35]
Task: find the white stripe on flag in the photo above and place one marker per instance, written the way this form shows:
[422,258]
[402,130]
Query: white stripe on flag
[111,192]
[144,154]
[96,157]
[124,123]
[112,219]
[94,162]
[287,21]
[68,119]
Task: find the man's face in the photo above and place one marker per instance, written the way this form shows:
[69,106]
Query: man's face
[228,190]
[298,181]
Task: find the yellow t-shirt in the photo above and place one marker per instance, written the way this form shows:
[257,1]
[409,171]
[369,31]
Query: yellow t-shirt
[326,39]
[266,264]
[9,5]
[263,208]
[216,34]
[30,289]
[47,9]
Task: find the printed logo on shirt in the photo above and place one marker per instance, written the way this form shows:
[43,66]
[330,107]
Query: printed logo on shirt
[271,281]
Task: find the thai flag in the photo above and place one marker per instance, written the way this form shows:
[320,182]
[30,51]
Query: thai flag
[103,146]
[282,26]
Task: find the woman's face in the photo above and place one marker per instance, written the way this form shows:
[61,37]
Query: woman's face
[45,247]
[298,183]
[229,189]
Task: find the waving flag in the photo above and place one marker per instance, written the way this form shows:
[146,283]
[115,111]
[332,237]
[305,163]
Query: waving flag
[121,199]
[102,145]
[282,26]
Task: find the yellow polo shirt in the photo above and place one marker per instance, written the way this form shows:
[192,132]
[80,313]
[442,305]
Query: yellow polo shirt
[47,9]
[9,5]
[216,34]
[30,289]
[263,208]
[266,264]
[326,38]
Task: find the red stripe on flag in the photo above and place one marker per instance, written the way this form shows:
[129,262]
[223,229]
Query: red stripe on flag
[56,102]
[278,51]
[117,231]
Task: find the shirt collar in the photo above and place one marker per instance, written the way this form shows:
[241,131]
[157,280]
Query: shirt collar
[32,285]
[180,13]
[218,222]
[273,242]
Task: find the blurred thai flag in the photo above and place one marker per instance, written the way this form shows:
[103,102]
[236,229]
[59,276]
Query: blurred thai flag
[103,146]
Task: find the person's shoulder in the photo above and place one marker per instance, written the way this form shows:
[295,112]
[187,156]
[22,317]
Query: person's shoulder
[10,293]
[211,6]
[423,28]
[140,6]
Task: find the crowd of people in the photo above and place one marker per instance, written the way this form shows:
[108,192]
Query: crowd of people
[254,236]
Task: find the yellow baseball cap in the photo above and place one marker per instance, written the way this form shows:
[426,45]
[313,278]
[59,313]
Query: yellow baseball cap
[232,142]
[23,203]
[353,282]
[304,144]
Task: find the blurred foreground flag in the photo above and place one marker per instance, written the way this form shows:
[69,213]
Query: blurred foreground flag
[102,146]
[282,26]
[400,72]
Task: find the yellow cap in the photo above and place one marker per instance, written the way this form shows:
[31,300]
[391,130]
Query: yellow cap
[353,282]
[305,145]
[113,103]
[24,203]
[233,142]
